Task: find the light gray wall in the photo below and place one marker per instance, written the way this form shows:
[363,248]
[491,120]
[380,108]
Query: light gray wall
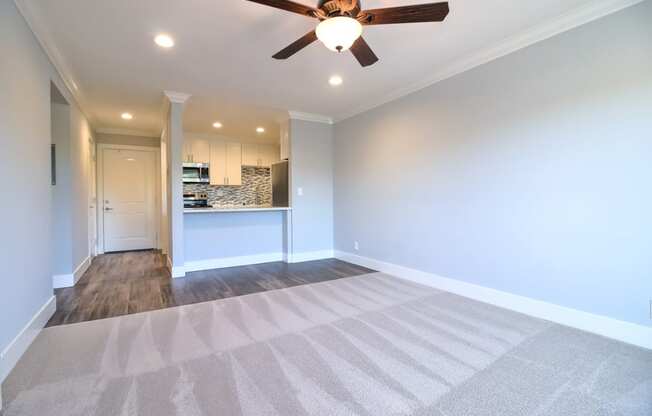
[70,196]
[26,243]
[124,139]
[61,202]
[311,168]
[221,235]
[25,137]
[531,174]
[80,168]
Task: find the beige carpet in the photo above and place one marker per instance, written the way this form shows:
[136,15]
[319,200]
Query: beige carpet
[368,345]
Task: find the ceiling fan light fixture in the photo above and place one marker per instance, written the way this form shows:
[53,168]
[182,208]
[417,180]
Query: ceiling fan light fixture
[339,33]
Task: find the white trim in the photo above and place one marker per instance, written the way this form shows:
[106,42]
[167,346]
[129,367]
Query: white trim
[126,132]
[316,118]
[100,189]
[69,280]
[45,39]
[176,97]
[17,347]
[309,256]
[175,272]
[570,20]
[209,264]
[608,327]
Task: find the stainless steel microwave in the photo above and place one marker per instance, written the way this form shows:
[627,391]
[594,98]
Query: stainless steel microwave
[196,173]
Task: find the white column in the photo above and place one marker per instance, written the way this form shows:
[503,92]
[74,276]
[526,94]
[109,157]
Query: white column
[175,181]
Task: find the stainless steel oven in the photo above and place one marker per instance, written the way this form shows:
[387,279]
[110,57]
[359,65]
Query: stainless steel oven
[196,173]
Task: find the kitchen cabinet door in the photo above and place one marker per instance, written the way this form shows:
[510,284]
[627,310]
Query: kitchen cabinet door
[200,151]
[234,164]
[217,169]
[187,150]
[284,150]
[268,154]
[250,154]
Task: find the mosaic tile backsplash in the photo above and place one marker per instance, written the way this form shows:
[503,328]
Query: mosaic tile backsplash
[256,189]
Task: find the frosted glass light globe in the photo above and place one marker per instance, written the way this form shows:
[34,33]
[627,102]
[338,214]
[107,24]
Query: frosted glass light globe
[339,33]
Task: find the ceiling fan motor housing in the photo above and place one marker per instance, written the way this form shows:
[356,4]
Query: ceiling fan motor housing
[331,8]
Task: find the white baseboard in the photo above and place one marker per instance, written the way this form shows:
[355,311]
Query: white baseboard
[309,256]
[220,263]
[17,347]
[627,332]
[208,264]
[70,280]
[175,272]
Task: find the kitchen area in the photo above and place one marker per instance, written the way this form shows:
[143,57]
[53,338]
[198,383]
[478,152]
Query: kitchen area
[236,202]
[221,174]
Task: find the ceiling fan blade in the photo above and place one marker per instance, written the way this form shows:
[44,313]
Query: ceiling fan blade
[431,12]
[363,52]
[295,47]
[290,6]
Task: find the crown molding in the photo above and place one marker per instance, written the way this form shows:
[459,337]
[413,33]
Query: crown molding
[176,97]
[126,132]
[316,118]
[44,38]
[567,21]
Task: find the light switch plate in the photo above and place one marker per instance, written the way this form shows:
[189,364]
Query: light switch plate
[300,191]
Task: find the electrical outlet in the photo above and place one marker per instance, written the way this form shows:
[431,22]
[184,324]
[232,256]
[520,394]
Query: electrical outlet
[356,246]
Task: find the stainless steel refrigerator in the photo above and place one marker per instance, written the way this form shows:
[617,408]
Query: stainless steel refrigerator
[280,184]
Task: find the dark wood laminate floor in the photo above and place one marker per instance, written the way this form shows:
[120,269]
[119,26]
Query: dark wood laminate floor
[123,283]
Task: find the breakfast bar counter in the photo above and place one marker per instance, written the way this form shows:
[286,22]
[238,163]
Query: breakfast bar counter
[225,209]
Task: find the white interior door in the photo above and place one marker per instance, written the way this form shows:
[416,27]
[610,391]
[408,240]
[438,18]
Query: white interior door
[129,200]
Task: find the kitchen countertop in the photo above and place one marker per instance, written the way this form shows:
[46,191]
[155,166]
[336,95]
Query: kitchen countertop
[219,209]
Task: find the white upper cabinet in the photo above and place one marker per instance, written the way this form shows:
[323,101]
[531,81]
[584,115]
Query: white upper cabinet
[285,141]
[268,154]
[201,152]
[187,151]
[196,151]
[225,163]
[261,155]
[234,164]
[250,154]
[217,169]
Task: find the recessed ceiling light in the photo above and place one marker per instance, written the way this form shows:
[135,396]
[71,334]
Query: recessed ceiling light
[126,116]
[217,125]
[260,130]
[335,80]
[164,41]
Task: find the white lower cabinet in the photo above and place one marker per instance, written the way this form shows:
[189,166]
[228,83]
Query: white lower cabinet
[226,163]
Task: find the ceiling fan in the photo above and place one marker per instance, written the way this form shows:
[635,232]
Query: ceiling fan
[341,21]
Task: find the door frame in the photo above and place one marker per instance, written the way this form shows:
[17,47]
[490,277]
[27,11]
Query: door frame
[100,189]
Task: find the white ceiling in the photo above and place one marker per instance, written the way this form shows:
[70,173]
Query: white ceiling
[223,56]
